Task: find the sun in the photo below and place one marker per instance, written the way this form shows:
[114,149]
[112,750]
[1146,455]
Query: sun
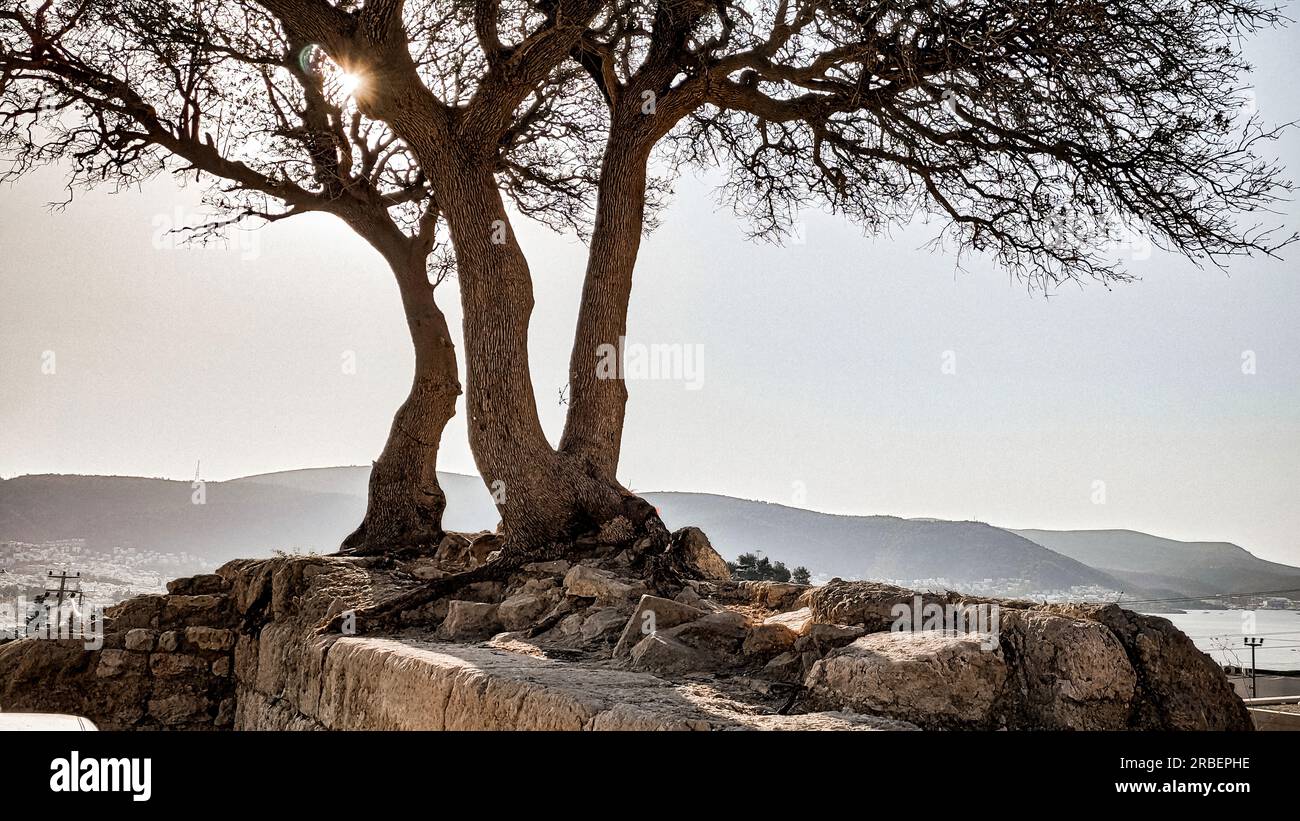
[350,83]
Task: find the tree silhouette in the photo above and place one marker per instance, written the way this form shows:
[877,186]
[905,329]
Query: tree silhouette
[214,91]
[1032,130]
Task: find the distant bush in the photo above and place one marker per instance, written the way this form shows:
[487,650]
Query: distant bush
[749,567]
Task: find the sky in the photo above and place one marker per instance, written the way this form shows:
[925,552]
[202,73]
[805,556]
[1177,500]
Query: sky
[840,373]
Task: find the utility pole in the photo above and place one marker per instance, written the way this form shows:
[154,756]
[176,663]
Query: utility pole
[63,591]
[1252,643]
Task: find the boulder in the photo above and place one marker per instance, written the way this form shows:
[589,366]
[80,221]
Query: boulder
[720,633]
[823,638]
[652,614]
[453,549]
[707,644]
[1073,674]
[870,604]
[768,639]
[522,610]
[797,620]
[470,621]
[934,680]
[773,595]
[1178,687]
[691,548]
[587,582]
[483,546]
[663,655]
[603,622]
[787,667]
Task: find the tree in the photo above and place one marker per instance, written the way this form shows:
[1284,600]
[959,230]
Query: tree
[800,575]
[1033,129]
[214,91]
[749,567]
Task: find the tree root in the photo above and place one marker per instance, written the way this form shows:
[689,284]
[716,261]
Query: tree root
[387,614]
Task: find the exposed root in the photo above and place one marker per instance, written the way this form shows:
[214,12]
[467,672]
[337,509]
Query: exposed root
[387,614]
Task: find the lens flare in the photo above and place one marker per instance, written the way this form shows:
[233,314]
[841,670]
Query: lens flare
[349,83]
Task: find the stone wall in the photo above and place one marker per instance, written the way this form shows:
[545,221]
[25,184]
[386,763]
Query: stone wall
[242,649]
[166,662]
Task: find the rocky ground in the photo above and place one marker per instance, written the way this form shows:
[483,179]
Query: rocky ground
[594,640]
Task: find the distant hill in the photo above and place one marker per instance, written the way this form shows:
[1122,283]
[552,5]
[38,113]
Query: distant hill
[875,547]
[314,509]
[1148,561]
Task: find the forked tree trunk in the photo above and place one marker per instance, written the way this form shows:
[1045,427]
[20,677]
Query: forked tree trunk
[405,503]
[544,497]
[593,428]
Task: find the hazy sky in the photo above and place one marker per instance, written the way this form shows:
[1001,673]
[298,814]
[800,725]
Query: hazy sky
[822,381]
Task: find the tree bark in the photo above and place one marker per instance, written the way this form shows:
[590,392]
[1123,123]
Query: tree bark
[544,497]
[593,428]
[405,503]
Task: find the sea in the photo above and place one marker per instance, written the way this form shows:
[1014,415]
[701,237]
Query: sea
[1222,634]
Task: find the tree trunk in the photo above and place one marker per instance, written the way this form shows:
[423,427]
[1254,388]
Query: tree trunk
[405,503]
[544,497]
[593,429]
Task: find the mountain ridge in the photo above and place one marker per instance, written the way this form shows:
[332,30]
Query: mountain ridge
[313,508]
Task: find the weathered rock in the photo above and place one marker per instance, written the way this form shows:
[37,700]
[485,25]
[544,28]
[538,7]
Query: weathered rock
[201,585]
[1072,674]
[210,638]
[799,621]
[187,611]
[522,610]
[768,639]
[688,595]
[453,549]
[691,548]
[932,679]
[602,622]
[470,621]
[606,588]
[1178,687]
[662,654]
[169,641]
[114,663]
[427,569]
[166,665]
[823,638]
[138,612]
[571,624]
[787,667]
[870,604]
[774,595]
[653,613]
[178,709]
[483,546]
[140,639]
[556,568]
[720,633]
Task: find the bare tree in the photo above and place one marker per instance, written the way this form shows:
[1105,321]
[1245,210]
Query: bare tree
[214,91]
[1033,129]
